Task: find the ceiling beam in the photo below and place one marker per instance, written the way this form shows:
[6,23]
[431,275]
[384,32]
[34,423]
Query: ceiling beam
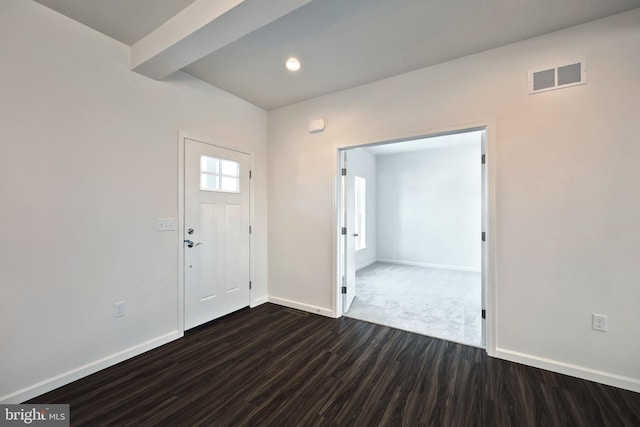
[202,28]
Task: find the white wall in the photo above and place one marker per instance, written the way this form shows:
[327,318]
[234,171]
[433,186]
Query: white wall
[566,209]
[428,206]
[88,162]
[363,164]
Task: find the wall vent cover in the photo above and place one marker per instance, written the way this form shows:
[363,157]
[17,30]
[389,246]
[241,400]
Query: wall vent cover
[550,78]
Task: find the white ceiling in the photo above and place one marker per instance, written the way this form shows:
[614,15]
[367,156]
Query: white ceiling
[124,20]
[340,43]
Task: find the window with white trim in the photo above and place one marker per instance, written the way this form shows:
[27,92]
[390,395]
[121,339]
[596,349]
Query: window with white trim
[360,213]
[219,175]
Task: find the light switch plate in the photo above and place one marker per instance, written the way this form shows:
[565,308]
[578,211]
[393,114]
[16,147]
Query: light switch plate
[166,224]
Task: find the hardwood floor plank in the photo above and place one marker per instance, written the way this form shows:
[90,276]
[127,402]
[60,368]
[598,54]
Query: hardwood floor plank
[274,366]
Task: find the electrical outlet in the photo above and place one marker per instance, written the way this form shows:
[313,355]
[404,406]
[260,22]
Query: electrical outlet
[599,322]
[118,309]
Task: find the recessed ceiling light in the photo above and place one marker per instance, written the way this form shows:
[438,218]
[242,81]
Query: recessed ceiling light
[293,64]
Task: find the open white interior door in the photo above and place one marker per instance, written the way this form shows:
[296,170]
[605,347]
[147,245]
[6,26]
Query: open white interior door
[216,232]
[484,269]
[348,238]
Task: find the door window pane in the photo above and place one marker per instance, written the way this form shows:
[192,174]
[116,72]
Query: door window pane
[229,168]
[229,184]
[209,164]
[209,182]
[219,175]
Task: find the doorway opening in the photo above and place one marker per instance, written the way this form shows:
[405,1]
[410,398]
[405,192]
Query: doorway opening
[413,231]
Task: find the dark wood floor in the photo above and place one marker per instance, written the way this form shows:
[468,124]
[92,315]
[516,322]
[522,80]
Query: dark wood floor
[273,366]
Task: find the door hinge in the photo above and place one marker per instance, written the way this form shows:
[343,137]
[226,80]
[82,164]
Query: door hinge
[344,230]
[344,289]
[344,171]
[250,174]
[484,159]
[249,284]
[484,236]
[250,229]
[484,313]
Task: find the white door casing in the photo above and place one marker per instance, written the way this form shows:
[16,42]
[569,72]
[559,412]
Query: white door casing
[484,221]
[348,245]
[488,178]
[216,232]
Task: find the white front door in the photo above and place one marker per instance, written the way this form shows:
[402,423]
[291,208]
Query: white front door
[349,272]
[216,232]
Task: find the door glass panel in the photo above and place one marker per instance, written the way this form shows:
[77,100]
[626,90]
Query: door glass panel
[209,164]
[229,167]
[219,175]
[229,184]
[209,182]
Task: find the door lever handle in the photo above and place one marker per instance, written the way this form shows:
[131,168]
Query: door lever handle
[190,243]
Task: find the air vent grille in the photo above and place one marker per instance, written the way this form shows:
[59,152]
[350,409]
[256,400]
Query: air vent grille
[545,79]
[570,74]
[550,78]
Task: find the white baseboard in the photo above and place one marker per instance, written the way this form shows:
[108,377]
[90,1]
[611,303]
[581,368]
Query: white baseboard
[632,384]
[301,306]
[429,265]
[85,370]
[366,264]
[259,301]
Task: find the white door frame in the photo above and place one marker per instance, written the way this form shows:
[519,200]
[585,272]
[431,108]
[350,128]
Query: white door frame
[348,242]
[488,275]
[182,136]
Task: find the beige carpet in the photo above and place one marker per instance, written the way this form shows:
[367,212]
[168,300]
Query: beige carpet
[440,303]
